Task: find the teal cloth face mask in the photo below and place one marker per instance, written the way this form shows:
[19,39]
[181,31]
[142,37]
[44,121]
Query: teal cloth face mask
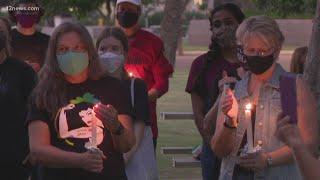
[111,61]
[73,63]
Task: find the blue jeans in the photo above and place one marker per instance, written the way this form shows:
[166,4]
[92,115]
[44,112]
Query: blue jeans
[210,163]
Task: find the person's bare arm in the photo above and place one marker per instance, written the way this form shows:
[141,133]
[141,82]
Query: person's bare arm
[223,138]
[197,107]
[139,129]
[125,141]
[110,118]
[307,116]
[308,164]
[209,122]
[42,152]
[290,135]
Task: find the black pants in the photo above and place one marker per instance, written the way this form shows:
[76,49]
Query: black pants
[15,173]
[155,144]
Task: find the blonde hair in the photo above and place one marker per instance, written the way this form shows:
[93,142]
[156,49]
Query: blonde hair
[263,27]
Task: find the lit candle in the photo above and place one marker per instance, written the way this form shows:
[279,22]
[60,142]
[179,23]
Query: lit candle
[130,74]
[94,129]
[248,109]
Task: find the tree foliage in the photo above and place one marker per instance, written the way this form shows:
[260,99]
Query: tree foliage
[79,8]
[284,8]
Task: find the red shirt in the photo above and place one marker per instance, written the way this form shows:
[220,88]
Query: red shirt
[146,61]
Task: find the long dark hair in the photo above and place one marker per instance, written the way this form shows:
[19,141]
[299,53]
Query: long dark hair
[214,52]
[118,34]
[50,91]
[8,38]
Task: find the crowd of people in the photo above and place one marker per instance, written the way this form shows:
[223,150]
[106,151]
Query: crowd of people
[75,109]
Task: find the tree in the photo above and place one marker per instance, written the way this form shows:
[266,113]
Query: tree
[171,27]
[312,67]
[80,8]
[284,8]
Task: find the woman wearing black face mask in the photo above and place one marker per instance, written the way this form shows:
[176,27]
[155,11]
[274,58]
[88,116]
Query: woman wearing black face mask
[17,79]
[260,43]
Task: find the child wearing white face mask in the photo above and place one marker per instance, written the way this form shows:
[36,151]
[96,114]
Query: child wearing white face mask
[140,161]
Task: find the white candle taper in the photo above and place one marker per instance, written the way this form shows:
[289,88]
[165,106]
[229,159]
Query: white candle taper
[248,109]
[94,130]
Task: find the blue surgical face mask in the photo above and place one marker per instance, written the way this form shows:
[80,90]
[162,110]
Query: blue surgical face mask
[111,61]
[73,63]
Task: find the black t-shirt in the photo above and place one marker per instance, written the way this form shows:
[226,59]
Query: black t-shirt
[30,48]
[70,128]
[17,79]
[141,104]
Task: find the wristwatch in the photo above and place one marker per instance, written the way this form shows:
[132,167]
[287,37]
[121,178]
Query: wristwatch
[225,124]
[269,160]
[119,130]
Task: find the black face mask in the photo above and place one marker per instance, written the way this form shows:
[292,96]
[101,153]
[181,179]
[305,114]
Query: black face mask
[127,19]
[3,40]
[259,64]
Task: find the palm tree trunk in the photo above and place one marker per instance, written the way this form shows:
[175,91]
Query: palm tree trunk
[312,67]
[171,27]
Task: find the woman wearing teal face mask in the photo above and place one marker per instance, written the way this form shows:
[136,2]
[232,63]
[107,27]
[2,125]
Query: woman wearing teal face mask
[140,161]
[79,123]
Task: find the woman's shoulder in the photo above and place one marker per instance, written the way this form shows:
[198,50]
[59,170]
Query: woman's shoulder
[200,59]
[138,83]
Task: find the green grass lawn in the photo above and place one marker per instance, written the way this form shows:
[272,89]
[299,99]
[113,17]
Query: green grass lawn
[176,133]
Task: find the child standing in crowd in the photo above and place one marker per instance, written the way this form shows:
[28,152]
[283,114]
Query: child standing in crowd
[298,60]
[17,80]
[260,41]
[145,58]
[28,44]
[140,161]
[79,121]
[206,72]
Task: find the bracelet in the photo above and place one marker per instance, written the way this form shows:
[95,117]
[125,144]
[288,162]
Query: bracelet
[269,161]
[225,124]
[228,126]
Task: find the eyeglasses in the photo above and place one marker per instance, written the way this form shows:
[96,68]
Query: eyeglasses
[243,52]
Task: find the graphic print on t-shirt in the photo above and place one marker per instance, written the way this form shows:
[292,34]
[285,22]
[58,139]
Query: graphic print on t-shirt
[75,122]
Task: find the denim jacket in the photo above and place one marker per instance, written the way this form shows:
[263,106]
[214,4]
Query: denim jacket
[267,110]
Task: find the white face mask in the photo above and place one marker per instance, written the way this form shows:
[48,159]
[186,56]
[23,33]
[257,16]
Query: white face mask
[111,61]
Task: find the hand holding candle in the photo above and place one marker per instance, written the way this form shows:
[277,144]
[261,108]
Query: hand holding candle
[108,115]
[229,103]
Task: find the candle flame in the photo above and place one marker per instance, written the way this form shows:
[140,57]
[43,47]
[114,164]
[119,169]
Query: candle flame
[130,74]
[249,106]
